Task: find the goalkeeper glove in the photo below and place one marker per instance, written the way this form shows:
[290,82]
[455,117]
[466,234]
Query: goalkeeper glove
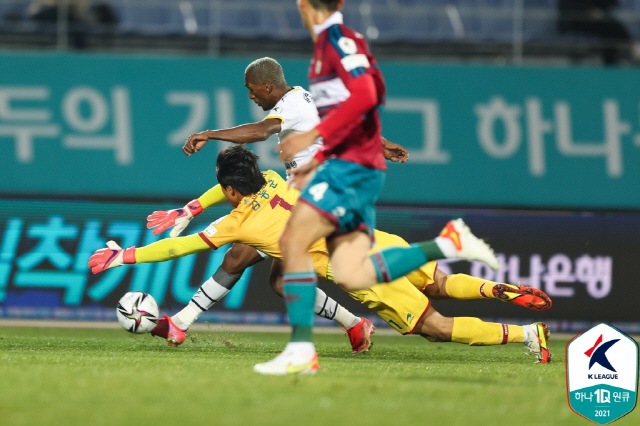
[111,257]
[178,218]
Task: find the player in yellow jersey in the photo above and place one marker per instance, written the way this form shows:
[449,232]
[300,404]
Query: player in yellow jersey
[291,110]
[262,204]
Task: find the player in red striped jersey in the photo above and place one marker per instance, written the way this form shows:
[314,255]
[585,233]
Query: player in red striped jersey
[341,184]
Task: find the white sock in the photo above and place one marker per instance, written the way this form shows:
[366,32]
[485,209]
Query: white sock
[325,306]
[208,294]
[328,308]
[186,317]
[345,318]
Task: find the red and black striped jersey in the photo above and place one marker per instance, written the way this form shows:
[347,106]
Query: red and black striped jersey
[342,56]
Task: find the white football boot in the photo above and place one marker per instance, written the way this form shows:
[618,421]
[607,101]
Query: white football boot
[457,242]
[537,341]
[297,358]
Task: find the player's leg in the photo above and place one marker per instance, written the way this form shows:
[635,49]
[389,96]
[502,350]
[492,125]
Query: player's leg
[428,278]
[392,262]
[352,268]
[238,258]
[398,303]
[355,269]
[475,332]
[305,226]
[343,195]
[437,285]
[461,286]
[357,329]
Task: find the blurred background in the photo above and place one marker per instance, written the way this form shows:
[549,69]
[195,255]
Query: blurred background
[521,116]
[494,31]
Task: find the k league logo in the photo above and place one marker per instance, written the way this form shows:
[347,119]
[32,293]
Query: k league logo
[598,354]
[602,374]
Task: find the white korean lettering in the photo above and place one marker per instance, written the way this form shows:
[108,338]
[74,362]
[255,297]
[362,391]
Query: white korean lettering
[431,151]
[497,110]
[610,148]
[198,105]
[121,141]
[23,124]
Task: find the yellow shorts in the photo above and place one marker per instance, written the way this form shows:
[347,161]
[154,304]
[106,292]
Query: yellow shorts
[400,303]
[420,278]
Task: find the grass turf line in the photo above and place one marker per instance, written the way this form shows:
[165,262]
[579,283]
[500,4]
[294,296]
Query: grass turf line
[107,377]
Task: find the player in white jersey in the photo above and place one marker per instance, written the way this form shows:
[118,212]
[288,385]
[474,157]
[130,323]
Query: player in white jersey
[291,109]
[297,113]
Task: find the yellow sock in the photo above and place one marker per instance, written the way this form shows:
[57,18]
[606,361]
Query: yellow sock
[476,332]
[461,286]
[516,334]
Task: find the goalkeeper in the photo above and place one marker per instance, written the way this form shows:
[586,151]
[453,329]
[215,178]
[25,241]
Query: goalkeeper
[291,109]
[262,206]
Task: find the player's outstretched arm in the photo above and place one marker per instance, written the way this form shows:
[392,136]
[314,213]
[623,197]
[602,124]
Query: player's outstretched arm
[162,220]
[111,257]
[167,249]
[394,151]
[245,133]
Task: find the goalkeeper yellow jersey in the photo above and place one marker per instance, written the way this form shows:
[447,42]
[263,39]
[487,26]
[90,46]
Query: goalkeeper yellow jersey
[259,220]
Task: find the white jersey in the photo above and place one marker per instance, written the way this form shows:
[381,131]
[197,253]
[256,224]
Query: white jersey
[297,112]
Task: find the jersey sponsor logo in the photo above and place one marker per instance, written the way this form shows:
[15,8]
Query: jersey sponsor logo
[347,45]
[210,230]
[352,62]
[307,97]
[291,165]
[329,92]
[276,111]
[321,94]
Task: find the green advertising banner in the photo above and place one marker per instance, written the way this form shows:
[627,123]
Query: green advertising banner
[101,125]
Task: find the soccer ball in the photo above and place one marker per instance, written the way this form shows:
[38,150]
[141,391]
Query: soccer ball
[137,312]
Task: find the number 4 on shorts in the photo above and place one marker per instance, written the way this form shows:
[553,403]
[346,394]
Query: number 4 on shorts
[318,190]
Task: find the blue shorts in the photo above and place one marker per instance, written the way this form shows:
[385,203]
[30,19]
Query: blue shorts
[345,193]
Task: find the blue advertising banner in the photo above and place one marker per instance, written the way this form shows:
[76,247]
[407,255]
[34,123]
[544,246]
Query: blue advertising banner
[585,262]
[99,125]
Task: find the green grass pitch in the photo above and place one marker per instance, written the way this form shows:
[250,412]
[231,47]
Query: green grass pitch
[71,377]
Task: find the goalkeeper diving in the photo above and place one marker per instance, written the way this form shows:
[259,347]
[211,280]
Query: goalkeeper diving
[262,204]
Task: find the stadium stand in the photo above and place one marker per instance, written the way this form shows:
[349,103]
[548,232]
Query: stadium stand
[424,28]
